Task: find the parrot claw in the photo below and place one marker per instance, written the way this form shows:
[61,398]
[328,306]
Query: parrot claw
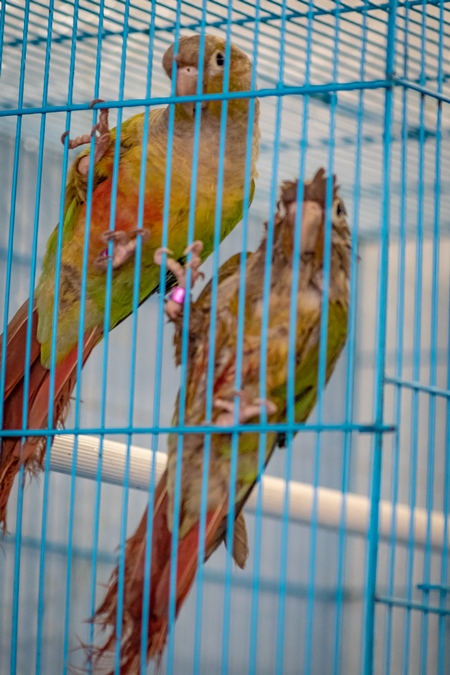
[195,248]
[115,235]
[79,140]
[102,143]
[157,256]
[193,266]
[125,235]
[268,405]
[248,408]
[95,101]
[175,302]
[124,246]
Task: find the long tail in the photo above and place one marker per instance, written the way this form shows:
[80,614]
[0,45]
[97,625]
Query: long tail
[14,452]
[102,658]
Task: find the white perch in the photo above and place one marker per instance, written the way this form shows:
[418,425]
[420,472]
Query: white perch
[301,495]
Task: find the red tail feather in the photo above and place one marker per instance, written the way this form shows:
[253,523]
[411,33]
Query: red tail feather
[133,595]
[14,453]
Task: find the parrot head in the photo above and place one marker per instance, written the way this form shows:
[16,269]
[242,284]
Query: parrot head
[215,53]
[313,216]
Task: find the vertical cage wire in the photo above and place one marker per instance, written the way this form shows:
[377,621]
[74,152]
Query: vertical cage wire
[380,356]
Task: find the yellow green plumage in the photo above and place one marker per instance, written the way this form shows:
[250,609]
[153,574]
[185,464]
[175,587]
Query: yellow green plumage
[127,228]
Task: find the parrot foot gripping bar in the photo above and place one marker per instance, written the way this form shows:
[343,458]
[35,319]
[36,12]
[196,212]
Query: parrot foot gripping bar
[176,298]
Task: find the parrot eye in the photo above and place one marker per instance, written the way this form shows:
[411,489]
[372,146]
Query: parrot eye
[340,209]
[220,59]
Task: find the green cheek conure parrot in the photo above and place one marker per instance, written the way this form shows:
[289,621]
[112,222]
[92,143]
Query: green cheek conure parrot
[225,399]
[13,452]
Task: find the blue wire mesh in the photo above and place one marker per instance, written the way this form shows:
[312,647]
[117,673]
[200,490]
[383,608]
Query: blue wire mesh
[363,89]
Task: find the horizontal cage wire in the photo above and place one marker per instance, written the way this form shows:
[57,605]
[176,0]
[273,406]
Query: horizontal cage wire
[326,349]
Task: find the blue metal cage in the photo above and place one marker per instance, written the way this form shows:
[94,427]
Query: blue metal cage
[348,570]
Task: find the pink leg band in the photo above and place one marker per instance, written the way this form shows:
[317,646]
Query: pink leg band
[178,294]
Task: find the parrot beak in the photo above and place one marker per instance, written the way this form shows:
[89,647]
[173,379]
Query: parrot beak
[312,218]
[187,77]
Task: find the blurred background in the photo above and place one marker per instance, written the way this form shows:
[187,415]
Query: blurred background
[342,128]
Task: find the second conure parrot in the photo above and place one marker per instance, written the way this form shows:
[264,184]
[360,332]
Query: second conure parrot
[229,406]
[185,54]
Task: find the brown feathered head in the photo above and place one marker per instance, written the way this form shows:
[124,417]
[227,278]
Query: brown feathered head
[314,194]
[314,190]
[215,53]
